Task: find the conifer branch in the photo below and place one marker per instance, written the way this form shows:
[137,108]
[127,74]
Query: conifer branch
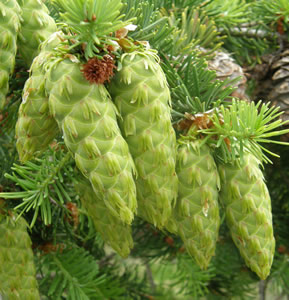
[242,127]
[75,272]
[41,182]
[91,24]
[194,87]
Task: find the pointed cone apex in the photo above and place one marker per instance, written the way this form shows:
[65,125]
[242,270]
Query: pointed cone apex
[112,230]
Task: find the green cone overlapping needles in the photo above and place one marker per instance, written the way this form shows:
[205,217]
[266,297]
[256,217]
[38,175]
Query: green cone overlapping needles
[248,213]
[35,127]
[9,27]
[17,270]
[197,211]
[87,118]
[113,231]
[36,27]
[141,94]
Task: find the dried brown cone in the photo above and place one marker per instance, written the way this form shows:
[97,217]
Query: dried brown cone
[227,68]
[279,94]
[99,70]
[272,77]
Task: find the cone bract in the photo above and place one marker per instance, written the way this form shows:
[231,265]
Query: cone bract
[35,127]
[113,231]
[9,27]
[248,213]
[36,27]
[197,212]
[87,118]
[17,270]
[141,94]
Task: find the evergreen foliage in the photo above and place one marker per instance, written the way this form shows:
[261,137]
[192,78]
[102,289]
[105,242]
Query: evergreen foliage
[73,237]
[41,182]
[74,274]
[194,88]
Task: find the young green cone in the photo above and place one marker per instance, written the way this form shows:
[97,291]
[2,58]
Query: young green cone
[17,270]
[248,212]
[141,94]
[35,127]
[197,213]
[87,118]
[113,231]
[9,27]
[36,27]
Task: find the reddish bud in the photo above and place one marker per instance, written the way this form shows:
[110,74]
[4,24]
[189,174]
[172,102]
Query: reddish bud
[169,241]
[99,70]
[282,249]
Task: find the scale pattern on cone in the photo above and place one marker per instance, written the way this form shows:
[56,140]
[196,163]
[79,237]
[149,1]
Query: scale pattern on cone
[272,77]
[87,118]
[114,232]
[36,27]
[141,94]
[197,213]
[35,127]
[279,93]
[9,27]
[227,69]
[17,270]
[248,213]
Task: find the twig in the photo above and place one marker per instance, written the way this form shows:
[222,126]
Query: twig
[104,261]
[254,33]
[150,278]
[262,289]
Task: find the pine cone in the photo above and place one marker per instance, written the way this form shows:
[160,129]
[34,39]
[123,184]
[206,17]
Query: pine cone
[141,94]
[17,270]
[248,213]
[272,77]
[36,27]
[9,26]
[226,68]
[112,230]
[197,212]
[279,94]
[87,118]
[35,127]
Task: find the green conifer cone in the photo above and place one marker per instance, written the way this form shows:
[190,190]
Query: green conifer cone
[17,270]
[87,118]
[36,27]
[197,212]
[35,127]
[9,27]
[113,231]
[141,94]
[248,212]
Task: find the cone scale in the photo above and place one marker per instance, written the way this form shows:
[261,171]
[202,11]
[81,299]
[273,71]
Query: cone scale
[141,94]
[248,213]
